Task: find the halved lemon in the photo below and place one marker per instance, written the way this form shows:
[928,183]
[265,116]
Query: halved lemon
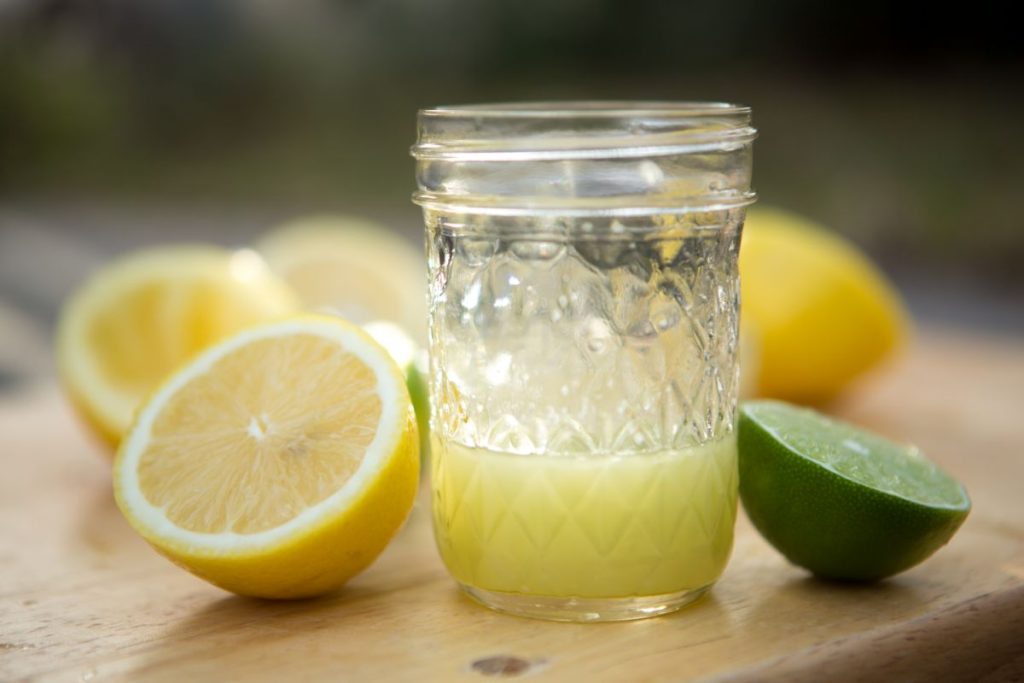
[279,463]
[354,267]
[139,318]
[413,361]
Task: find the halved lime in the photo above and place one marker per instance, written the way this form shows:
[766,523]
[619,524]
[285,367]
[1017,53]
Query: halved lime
[838,500]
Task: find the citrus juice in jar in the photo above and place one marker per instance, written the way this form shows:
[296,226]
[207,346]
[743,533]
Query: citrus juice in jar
[583,332]
[585,526]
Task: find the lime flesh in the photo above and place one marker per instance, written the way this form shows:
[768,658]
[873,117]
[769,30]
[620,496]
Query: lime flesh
[838,500]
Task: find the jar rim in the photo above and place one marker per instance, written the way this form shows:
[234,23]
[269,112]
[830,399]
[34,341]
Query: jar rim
[523,131]
[555,109]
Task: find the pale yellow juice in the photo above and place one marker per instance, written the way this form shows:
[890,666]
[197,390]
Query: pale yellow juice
[586,527]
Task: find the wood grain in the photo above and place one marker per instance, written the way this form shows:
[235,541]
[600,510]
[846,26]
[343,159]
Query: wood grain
[84,599]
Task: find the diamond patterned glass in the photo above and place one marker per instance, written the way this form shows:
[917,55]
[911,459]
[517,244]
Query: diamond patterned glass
[584,302]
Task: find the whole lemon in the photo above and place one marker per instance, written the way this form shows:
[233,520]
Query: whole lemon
[819,311]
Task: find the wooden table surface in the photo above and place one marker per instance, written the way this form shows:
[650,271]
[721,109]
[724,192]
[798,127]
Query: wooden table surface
[82,598]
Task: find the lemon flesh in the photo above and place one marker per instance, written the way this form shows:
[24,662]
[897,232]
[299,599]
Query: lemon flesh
[820,312]
[139,318]
[352,267]
[279,463]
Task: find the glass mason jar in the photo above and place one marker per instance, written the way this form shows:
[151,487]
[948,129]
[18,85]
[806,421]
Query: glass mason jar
[584,302]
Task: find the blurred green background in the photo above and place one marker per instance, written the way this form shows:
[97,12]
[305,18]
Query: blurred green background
[126,122]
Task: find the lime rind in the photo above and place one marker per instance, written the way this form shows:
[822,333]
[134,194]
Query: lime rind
[860,456]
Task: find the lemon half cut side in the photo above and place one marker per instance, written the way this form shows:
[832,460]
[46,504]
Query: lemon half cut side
[278,463]
[139,318]
[353,267]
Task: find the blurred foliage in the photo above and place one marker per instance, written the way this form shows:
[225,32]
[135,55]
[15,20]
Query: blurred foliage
[892,126]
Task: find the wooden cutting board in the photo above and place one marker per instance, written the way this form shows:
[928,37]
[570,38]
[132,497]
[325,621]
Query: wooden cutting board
[82,598]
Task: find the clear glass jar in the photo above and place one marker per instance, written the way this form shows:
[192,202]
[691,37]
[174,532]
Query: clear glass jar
[584,303]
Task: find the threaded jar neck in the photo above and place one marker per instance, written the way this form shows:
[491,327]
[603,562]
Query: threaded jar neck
[584,158]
